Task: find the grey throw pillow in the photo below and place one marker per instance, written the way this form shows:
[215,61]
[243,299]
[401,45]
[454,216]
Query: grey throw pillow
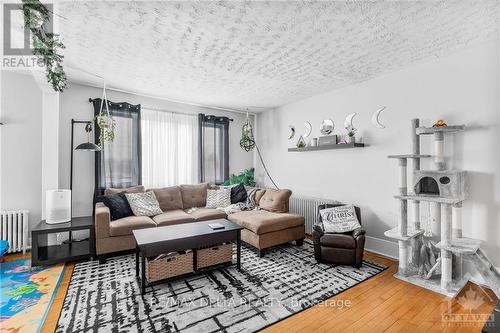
[144,204]
[339,219]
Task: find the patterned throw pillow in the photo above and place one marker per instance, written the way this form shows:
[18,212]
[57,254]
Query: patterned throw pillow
[144,204]
[220,198]
[339,219]
[250,203]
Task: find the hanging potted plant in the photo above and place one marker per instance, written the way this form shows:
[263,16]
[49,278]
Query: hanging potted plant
[105,122]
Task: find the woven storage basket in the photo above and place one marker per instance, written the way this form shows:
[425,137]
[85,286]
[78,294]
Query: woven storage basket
[169,267]
[214,255]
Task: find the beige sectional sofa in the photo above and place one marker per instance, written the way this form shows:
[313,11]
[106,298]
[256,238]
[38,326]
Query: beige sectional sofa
[271,225]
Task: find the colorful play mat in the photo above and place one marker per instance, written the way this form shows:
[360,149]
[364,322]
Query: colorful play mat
[26,295]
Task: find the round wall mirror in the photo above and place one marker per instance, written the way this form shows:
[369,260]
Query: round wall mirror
[327,127]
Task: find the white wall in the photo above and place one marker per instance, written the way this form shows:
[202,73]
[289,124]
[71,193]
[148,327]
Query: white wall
[462,89]
[74,104]
[21,144]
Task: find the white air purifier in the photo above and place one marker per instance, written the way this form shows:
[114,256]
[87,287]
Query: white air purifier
[58,206]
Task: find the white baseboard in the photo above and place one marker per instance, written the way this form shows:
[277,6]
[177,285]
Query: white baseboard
[382,247]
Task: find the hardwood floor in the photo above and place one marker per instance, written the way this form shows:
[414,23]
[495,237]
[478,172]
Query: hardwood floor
[386,304]
[380,304]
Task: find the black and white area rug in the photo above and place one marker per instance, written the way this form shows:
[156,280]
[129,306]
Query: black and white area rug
[106,298]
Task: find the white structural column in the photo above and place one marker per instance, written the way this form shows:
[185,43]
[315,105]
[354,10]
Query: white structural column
[50,143]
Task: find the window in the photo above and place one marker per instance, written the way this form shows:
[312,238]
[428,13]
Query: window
[214,148]
[169,148]
[161,148]
[118,164]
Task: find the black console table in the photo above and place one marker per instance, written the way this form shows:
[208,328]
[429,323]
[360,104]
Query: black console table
[67,251]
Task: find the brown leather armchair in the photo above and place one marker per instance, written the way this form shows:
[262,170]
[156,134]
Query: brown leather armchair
[344,249]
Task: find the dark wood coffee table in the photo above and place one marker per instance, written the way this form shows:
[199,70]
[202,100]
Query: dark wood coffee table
[152,242]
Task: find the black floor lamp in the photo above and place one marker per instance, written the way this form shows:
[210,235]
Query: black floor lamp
[86,146]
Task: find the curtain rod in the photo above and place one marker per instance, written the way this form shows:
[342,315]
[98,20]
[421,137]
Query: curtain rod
[164,110]
[178,112]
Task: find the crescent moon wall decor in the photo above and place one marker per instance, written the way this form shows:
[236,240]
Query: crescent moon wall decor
[348,120]
[308,129]
[375,118]
[292,132]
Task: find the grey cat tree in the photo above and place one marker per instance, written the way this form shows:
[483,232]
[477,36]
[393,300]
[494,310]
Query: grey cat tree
[424,261]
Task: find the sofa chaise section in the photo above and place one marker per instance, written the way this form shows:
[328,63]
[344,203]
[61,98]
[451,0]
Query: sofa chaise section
[265,229]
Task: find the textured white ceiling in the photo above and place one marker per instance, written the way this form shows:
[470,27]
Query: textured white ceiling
[261,54]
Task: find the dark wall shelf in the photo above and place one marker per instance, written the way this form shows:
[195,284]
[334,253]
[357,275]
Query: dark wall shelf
[328,147]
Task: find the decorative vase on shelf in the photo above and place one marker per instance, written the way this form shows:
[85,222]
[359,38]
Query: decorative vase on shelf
[350,139]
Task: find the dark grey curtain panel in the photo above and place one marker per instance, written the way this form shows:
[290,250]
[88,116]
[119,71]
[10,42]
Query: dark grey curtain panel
[213,148]
[118,164]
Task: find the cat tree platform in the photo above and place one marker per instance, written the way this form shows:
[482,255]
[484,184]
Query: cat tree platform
[434,284]
[461,245]
[442,129]
[395,233]
[429,198]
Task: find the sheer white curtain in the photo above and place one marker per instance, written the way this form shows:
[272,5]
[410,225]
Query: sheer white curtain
[169,148]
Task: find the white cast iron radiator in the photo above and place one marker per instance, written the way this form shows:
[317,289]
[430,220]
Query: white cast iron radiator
[14,229]
[308,207]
